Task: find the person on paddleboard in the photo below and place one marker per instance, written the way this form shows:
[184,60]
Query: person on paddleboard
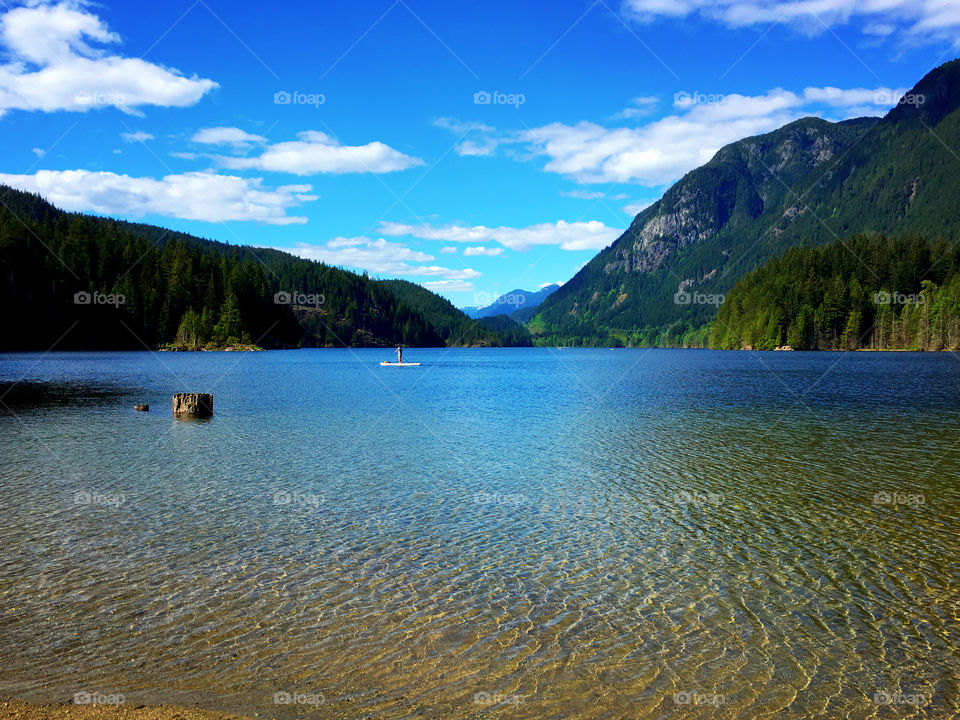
[399,354]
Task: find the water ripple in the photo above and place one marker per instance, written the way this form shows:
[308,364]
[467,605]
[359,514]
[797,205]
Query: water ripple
[529,534]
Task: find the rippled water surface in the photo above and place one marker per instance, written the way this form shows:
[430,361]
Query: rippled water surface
[523,533]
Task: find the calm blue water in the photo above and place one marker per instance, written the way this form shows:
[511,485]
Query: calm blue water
[518,532]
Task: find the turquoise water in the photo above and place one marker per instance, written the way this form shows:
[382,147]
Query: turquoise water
[500,532]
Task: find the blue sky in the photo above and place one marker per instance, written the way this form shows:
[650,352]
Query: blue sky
[469,147]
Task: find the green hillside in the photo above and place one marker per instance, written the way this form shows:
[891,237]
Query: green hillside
[142,286]
[880,293]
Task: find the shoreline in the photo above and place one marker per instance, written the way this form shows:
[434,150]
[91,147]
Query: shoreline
[14,709]
[494,347]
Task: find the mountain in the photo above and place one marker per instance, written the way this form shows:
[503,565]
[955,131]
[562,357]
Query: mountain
[86,282]
[805,184]
[513,303]
[863,292]
[452,325]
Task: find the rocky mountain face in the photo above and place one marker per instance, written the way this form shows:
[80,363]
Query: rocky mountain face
[735,188]
[807,183]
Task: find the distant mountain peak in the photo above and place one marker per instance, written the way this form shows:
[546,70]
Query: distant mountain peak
[511,302]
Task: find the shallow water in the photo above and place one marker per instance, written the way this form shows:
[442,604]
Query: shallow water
[504,532]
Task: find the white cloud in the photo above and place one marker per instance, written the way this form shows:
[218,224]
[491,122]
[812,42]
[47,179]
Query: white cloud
[879,29]
[591,235]
[362,252]
[138,136]
[448,250]
[378,256]
[448,286]
[639,107]
[920,19]
[660,152]
[938,15]
[449,273]
[581,194]
[191,196]
[881,99]
[474,148]
[316,152]
[53,65]
[652,155]
[486,145]
[461,128]
[39,152]
[226,136]
[481,250]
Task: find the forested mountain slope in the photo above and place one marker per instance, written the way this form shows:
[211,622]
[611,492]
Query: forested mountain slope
[805,184]
[141,286]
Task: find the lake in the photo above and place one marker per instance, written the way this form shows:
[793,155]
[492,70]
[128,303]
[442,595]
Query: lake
[516,533]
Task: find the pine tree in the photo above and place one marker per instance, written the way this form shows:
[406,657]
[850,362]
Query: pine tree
[189,331]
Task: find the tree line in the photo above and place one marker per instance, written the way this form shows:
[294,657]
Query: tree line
[866,292]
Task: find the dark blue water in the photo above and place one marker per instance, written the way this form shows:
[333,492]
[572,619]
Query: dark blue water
[527,532]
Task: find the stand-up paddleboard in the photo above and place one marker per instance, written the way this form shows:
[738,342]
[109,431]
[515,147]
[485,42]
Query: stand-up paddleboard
[396,364]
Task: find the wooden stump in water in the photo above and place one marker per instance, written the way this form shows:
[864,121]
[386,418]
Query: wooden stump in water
[192,405]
